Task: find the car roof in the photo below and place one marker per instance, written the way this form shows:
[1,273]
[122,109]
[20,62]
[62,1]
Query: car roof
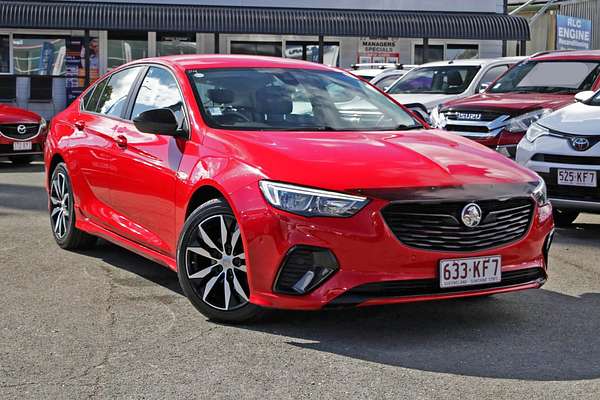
[567,55]
[474,61]
[205,61]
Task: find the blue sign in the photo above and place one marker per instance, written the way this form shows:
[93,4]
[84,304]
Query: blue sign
[573,33]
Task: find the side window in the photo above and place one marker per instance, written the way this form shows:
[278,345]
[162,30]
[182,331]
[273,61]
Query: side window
[386,82]
[92,102]
[114,97]
[493,73]
[159,90]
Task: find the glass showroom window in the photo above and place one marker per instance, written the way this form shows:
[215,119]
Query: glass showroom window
[257,48]
[168,44]
[4,55]
[435,53]
[39,55]
[309,51]
[126,47]
[461,51]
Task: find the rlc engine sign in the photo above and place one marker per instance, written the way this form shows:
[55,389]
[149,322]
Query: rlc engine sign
[573,33]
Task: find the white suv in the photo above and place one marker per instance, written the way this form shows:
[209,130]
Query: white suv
[563,149]
[432,84]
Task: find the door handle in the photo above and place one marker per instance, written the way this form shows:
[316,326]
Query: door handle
[121,141]
[80,125]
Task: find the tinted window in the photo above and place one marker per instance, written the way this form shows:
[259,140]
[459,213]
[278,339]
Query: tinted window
[493,73]
[442,79]
[549,77]
[387,81]
[159,90]
[294,99]
[595,101]
[92,103]
[114,97]
[272,49]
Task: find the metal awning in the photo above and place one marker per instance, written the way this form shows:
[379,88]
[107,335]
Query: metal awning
[258,20]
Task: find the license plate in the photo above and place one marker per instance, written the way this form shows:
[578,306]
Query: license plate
[470,271]
[21,146]
[577,177]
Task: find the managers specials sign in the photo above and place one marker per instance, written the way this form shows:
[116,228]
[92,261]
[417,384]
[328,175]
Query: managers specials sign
[378,50]
[573,33]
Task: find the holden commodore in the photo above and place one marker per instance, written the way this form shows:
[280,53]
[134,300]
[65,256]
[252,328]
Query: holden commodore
[271,183]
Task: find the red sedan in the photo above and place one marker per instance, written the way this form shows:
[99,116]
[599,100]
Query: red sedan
[271,183]
[22,134]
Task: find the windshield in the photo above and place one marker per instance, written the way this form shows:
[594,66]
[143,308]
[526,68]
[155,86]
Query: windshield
[568,77]
[294,99]
[442,80]
[595,100]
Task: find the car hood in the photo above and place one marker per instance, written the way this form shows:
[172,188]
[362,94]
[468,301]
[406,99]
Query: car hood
[347,161]
[427,100]
[510,103]
[14,115]
[578,118]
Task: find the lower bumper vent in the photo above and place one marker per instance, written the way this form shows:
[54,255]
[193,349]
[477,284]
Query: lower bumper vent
[304,268]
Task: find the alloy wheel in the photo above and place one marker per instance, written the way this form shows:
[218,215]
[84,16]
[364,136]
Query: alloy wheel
[216,264]
[60,200]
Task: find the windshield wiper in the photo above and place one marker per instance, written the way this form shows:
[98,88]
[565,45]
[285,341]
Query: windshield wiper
[408,127]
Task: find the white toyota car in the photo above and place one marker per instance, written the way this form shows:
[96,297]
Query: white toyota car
[563,149]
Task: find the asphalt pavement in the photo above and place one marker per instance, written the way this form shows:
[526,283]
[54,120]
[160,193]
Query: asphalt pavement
[106,323]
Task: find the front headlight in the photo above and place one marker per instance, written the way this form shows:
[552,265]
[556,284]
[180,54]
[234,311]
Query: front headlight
[522,122]
[540,194]
[437,119]
[535,131]
[43,125]
[311,202]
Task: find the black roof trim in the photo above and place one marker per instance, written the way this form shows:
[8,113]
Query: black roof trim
[255,20]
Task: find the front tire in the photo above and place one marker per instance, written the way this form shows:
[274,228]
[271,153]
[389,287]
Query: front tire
[211,264]
[564,218]
[62,212]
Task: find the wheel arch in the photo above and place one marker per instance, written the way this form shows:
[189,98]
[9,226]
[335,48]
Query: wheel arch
[201,195]
[56,159]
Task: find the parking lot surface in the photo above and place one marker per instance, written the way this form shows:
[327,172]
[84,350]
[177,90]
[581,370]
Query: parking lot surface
[106,323]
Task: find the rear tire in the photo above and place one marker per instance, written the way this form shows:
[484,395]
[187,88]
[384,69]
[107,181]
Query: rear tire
[564,218]
[62,213]
[211,265]
[20,160]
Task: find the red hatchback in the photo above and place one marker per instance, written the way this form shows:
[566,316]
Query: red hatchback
[271,183]
[499,117]
[22,134]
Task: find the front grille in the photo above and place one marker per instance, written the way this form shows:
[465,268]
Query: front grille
[560,159]
[428,287]
[12,131]
[488,123]
[437,226]
[566,192]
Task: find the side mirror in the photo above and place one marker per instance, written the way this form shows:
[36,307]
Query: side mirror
[483,87]
[158,121]
[584,96]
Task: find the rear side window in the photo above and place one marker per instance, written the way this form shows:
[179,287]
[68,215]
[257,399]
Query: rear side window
[115,94]
[159,90]
[94,94]
[493,73]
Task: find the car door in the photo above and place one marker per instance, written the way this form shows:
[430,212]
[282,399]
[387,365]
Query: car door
[143,194]
[95,146]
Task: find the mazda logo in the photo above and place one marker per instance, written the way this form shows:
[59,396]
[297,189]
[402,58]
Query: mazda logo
[21,129]
[471,215]
[580,143]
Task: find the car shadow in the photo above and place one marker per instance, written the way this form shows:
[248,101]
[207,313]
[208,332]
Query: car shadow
[7,166]
[128,261]
[539,335]
[23,197]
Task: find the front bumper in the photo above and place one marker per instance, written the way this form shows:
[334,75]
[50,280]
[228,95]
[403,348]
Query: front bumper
[368,253]
[562,197]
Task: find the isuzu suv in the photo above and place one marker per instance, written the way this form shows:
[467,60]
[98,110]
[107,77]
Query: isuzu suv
[500,116]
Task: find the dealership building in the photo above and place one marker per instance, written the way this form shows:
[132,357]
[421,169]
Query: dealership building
[51,50]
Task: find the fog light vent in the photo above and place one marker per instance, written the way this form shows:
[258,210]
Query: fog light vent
[304,268]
